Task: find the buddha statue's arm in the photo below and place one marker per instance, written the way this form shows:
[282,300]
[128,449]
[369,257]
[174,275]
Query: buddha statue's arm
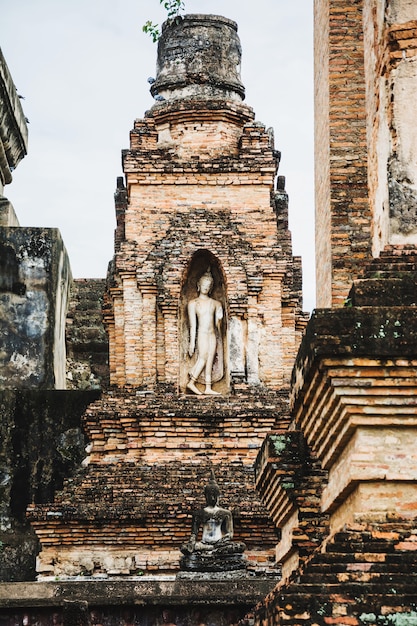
[189,546]
[192,318]
[218,315]
[228,526]
[196,524]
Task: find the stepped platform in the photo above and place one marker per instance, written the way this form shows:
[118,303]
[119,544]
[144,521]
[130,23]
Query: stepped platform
[128,509]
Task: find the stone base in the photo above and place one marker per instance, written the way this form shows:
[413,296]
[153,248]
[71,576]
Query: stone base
[227,558]
[231,575]
[185,591]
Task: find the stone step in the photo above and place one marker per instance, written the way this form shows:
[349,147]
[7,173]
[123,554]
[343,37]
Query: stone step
[364,575]
[297,594]
[401,563]
[351,547]
[310,609]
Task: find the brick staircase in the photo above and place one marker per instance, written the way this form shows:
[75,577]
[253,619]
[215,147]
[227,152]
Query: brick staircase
[390,279]
[364,574]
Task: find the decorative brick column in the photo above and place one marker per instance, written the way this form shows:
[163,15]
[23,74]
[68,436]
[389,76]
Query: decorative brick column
[200,183]
[354,390]
[365,137]
[343,216]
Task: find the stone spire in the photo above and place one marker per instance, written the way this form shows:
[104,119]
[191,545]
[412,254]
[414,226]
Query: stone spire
[199,57]
[200,175]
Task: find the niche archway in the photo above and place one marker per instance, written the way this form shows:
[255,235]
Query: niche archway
[201,261]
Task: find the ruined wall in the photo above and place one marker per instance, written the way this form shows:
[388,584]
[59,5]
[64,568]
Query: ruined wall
[87,344]
[343,216]
[128,510]
[365,137]
[391,78]
[41,442]
[34,284]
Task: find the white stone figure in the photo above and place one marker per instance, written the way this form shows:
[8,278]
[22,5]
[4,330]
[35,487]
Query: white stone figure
[204,315]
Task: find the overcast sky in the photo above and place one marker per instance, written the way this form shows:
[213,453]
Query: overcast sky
[82,67]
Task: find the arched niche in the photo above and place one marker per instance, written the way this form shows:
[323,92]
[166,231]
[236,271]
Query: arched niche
[201,262]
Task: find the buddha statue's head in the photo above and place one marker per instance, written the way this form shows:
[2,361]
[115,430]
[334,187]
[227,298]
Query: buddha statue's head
[212,492]
[205,282]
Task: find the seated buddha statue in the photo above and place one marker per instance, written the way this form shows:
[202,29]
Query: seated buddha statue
[215,551]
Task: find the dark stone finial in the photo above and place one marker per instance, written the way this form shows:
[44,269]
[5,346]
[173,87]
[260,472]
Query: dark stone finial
[281,183]
[199,56]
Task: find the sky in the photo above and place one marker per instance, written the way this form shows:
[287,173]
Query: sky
[82,68]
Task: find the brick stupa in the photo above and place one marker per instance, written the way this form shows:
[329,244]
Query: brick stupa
[200,192]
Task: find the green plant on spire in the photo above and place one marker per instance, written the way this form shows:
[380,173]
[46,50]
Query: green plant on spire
[174,9]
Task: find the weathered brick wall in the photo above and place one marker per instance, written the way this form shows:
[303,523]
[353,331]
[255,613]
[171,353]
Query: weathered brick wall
[86,339]
[391,81]
[343,216]
[366,143]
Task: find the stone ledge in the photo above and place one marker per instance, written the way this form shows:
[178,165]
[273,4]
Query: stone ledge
[8,216]
[353,332]
[136,592]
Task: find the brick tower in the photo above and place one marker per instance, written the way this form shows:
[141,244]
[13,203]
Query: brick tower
[366,139]
[200,193]
[342,483]
[201,222]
